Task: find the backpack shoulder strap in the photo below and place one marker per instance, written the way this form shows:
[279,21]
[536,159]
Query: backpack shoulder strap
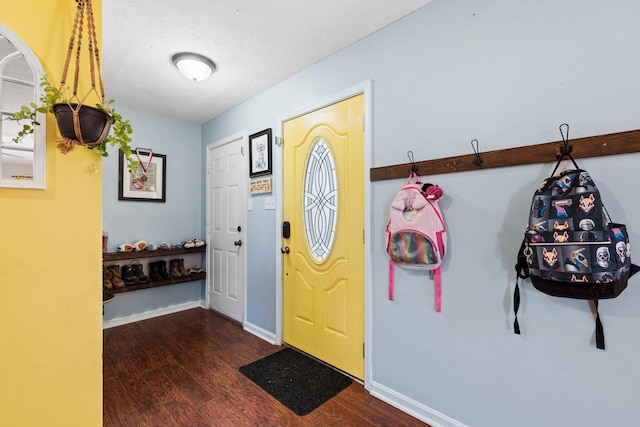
[599,328]
[391,278]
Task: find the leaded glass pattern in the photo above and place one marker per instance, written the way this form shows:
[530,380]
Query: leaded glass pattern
[320,200]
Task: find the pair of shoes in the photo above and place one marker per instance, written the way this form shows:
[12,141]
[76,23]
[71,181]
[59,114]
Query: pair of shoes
[158,271]
[114,276]
[133,273]
[195,243]
[129,275]
[176,268]
[196,270]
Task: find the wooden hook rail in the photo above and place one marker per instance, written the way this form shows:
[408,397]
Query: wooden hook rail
[592,146]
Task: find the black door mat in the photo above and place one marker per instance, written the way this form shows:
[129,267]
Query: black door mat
[297,381]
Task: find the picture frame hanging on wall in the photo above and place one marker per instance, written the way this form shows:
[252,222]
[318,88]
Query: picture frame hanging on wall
[260,153]
[147,183]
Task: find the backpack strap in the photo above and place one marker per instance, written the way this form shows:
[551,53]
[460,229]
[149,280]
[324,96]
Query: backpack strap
[522,272]
[438,289]
[391,278]
[599,328]
[516,306]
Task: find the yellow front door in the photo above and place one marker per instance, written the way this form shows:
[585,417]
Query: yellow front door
[324,205]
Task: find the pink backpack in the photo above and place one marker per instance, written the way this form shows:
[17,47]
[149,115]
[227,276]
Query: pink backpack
[416,235]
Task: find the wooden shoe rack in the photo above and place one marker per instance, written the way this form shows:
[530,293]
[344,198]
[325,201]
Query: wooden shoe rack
[109,258]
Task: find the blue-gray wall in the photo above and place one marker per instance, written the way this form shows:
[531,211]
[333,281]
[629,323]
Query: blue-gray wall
[176,220]
[508,74]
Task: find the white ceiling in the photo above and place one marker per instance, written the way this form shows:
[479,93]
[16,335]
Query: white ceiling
[254,43]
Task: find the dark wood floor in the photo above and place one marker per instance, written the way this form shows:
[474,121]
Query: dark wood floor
[182,370]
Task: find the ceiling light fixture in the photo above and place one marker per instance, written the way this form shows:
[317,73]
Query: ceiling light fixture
[193,66]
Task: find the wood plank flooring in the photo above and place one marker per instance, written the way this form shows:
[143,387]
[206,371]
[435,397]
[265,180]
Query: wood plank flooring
[182,370]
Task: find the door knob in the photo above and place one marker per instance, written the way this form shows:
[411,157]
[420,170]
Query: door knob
[285,250]
[238,243]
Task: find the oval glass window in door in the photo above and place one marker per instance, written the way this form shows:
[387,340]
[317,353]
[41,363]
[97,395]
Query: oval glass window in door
[320,200]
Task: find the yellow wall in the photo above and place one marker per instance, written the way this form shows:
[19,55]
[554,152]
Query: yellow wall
[50,260]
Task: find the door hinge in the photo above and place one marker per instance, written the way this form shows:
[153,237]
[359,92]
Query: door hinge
[363,123]
[363,350]
[363,236]
[242,151]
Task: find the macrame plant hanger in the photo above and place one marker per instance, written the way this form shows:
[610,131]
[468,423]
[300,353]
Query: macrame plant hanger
[74,101]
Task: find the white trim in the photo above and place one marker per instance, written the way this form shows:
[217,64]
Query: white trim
[412,407]
[260,333]
[136,317]
[244,136]
[365,88]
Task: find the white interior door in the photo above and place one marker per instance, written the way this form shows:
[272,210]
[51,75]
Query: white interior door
[226,226]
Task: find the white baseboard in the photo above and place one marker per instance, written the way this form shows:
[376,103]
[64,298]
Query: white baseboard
[118,321]
[413,408]
[260,333]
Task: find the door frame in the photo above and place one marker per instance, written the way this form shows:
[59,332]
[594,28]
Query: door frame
[364,88]
[244,137]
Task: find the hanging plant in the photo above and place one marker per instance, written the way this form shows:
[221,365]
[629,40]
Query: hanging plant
[78,123]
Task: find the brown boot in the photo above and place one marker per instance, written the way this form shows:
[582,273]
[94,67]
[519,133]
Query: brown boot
[116,280]
[174,272]
[106,278]
[181,268]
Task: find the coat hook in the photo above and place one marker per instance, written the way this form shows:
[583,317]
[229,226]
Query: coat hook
[566,149]
[477,161]
[414,167]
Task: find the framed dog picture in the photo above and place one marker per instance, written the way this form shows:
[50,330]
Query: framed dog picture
[260,153]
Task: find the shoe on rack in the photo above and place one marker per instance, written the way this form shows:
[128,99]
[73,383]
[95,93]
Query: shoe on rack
[162,268]
[196,270]
[106,278]
[116,280]
[142,278]
[181,268]
[154,271]
[129,275]
[198,242]
[188,244]
[174,272]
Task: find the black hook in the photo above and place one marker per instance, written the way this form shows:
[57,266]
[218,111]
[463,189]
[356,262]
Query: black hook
[566,149]
[414,167]
[477,161]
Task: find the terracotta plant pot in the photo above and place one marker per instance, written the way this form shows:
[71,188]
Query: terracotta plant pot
[92,122]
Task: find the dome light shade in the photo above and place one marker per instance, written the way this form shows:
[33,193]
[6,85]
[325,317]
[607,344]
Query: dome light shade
[193,66]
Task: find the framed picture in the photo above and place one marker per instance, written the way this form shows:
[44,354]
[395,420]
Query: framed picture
[260,153]
[148,182]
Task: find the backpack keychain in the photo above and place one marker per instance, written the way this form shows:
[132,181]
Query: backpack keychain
[571,247]
[416,237]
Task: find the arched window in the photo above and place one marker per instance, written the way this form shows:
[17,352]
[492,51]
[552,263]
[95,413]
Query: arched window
[22,164]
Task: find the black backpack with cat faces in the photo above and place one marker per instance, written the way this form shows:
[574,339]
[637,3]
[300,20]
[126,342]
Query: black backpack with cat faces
[571,247]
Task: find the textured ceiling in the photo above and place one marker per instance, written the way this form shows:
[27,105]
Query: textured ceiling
[254,43]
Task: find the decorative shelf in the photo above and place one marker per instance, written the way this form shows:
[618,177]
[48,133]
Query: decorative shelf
[138,286]
[117,256]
